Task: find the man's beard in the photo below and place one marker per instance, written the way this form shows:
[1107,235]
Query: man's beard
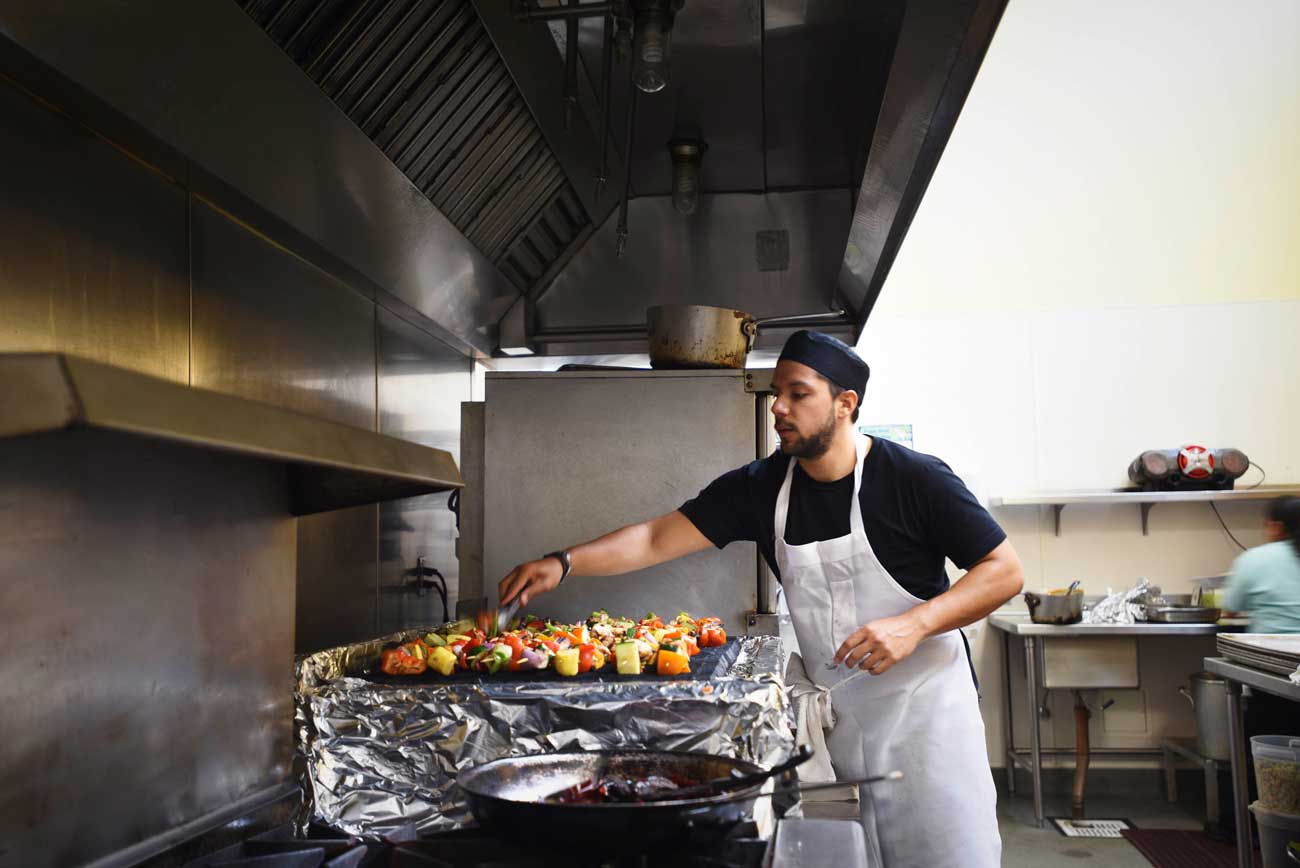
[815,446]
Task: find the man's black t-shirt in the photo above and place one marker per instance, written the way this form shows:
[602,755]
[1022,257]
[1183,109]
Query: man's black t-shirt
[916,512]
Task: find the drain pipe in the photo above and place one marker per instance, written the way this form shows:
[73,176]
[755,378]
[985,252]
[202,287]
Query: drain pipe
[1081,718]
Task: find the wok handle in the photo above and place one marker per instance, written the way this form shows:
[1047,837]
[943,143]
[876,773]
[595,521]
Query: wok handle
[811,788]
[801,756]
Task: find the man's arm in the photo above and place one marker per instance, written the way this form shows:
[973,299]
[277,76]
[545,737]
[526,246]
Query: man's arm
[877,646]
[634,547]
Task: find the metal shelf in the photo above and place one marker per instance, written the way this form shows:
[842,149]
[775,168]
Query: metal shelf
[329,466]
[1059,500]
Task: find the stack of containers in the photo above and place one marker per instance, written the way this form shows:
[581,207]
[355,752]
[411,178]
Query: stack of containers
[1277,772]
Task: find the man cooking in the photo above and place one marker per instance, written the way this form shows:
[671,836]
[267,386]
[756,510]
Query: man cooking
[857,530]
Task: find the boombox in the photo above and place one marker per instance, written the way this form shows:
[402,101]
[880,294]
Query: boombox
[1190,468]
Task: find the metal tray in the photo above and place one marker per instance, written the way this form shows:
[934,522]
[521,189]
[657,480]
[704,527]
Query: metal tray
[1182,615]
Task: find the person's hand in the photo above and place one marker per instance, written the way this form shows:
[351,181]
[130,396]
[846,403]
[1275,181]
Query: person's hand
[882,643]
[530,579]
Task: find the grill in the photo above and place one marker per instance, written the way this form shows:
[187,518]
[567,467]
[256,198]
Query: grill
[425,83]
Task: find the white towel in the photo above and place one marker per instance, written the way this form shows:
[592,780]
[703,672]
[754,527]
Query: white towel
[814,716]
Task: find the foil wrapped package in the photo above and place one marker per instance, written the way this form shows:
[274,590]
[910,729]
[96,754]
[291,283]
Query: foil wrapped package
[374,756]
[1124,607]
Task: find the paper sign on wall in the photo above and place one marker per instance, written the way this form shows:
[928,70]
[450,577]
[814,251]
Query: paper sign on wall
[901,434]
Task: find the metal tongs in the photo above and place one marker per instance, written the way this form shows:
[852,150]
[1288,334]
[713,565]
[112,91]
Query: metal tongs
[494,621]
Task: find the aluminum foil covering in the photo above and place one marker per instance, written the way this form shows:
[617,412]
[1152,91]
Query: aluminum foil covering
[375,756]
[1124,607]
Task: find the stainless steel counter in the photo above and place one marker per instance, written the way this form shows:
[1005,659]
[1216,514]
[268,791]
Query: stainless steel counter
[1236,675]
[1018,624]
[1034,637]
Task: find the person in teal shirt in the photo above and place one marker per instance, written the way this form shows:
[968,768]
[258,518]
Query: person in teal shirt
[1265,581]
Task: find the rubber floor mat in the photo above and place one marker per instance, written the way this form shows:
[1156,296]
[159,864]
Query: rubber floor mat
[1181,848]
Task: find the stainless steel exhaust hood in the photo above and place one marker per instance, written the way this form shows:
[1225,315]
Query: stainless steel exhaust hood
[823,120]
[456,168]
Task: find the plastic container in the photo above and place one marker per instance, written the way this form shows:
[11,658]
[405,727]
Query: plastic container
[1276,833]
[1277,772]
[1208,591]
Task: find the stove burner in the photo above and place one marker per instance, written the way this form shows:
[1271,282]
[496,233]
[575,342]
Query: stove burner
[278,848]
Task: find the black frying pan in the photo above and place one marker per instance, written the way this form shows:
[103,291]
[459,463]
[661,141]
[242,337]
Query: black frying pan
[506,796]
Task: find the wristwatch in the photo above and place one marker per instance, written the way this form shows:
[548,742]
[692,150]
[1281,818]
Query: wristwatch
[565,561]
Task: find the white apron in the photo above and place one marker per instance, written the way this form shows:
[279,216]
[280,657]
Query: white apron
[921,716]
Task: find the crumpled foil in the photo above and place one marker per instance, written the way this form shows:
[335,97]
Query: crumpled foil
[1124,607]
[373,756]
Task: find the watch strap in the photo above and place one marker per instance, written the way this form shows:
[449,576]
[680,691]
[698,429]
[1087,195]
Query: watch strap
[565,561]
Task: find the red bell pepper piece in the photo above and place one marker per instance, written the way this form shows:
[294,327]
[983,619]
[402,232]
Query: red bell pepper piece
[712,636]
[586,657]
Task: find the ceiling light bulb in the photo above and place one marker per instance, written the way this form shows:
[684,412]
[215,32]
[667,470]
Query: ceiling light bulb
[653,42]
[687,150]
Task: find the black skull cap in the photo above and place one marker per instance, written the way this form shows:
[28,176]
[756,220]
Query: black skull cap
[830,357]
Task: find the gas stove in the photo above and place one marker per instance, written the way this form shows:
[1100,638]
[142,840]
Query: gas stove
[249,843]
[464,848]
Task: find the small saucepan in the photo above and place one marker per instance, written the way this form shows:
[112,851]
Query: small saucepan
[698,336]
[1056,607]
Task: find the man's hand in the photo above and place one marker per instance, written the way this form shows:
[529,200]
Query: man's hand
[530,579]
[882,643]
[994,579]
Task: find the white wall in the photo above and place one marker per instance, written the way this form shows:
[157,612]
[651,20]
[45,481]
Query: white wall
[1108,260]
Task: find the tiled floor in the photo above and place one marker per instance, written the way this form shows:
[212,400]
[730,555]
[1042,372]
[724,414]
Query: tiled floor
[1025,846]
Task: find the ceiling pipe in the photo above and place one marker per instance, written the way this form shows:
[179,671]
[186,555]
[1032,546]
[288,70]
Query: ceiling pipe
[606,81]
[632,90]
[528,12]
[570,66]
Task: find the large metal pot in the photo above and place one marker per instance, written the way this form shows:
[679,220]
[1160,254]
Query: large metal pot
[1209,699]
[698,336]
[1058,608]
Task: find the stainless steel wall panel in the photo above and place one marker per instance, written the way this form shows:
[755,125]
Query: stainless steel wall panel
[146,659]
[422,383]
[469,545]
[711,260]
[569,457]
[269,326]
[337,578]
[93,249]
[264,130]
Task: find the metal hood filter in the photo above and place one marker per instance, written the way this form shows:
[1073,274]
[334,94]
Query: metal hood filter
[423,80]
